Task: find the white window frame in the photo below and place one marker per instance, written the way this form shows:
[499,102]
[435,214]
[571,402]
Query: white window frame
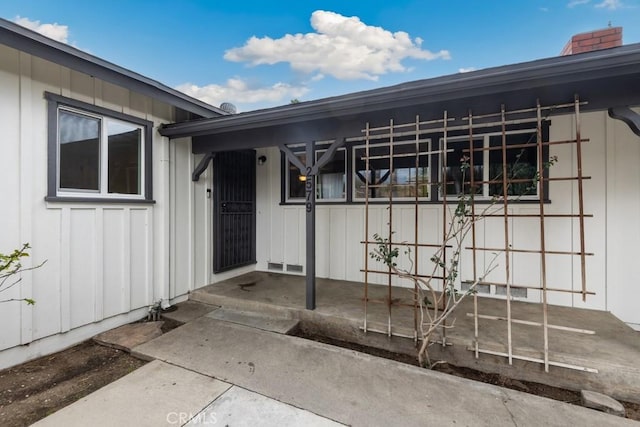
[57,103]
[318,154]
[287,164]
[395,144]
[486,137]
[103,176]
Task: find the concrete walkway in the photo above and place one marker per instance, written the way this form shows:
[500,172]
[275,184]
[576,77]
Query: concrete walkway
[613,350]
[213,372]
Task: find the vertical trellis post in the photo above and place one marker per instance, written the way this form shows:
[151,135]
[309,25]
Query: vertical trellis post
[473,232]
[543,250]
[583,268]
[507,245]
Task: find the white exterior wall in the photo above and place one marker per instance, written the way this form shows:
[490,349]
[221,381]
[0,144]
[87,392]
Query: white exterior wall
[191,224]
[105,262]
[612,195]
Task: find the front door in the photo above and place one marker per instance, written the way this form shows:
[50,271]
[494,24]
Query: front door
[234,209]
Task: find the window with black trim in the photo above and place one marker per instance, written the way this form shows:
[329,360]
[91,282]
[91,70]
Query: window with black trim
[330,181]
[404,181]
[295,179]
[97,153]
[486,166]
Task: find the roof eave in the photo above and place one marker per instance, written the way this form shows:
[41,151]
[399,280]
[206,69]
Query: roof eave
[539,73]
[23,39]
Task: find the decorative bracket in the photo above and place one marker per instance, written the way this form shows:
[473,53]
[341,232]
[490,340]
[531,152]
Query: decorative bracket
[627,115]
[202,166]
[315,168]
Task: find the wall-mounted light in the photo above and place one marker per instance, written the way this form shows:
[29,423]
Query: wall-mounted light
[262,160]
[302,178]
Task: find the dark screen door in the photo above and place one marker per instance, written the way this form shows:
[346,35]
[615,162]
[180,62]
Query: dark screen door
[234,209]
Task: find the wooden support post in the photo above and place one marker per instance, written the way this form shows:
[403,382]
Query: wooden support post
[310,170]
[310,208]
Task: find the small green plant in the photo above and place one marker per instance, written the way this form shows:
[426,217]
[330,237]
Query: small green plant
[437,303]
[384,252]
[10,269]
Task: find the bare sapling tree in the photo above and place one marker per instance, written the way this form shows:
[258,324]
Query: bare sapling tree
[437,305]
[10,271]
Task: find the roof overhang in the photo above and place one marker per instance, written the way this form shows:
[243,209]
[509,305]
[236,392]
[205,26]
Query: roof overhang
[23,39]
[603,78]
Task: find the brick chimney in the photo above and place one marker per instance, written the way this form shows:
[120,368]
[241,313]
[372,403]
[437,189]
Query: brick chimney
[593,40]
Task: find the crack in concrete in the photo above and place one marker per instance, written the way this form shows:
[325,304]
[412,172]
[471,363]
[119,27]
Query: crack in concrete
[505,399]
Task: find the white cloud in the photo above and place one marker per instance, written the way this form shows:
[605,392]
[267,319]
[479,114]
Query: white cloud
[610,4]
[239,92]
[54,31]
[466,70]
[343,47]
[575,3]
[604,4]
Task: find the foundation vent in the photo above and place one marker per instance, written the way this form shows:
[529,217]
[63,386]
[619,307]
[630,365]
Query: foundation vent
[274,266]
[485,288]
[480,288]
[294,268]
[515,292]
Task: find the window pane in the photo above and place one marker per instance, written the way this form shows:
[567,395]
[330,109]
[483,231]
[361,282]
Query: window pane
[522,165]
[459,176]
[79,139]
[296,180]
[331,180]
[124,157]
[405,175]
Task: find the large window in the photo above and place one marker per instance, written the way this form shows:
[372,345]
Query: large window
[407,169]
[483,173]
[404,181]
[98,153]
[330,182]
[295,179]
[460,180]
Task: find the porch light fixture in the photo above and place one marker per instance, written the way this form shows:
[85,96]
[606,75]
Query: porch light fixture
[302,178]
[262,160]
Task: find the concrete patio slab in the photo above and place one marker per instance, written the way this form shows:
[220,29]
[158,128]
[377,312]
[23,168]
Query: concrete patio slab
[187,311]
[255,320]
[128,336]
[157,394]
[238,407]
[351,387]
[612,350]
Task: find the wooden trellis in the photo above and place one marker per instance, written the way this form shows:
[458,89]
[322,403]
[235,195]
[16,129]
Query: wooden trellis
[470,126]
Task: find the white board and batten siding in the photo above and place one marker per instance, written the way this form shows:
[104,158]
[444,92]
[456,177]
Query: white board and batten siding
[105,262]
[190,222]
[612,196]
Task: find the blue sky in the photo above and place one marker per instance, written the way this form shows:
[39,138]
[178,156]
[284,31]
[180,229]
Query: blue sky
[257,54]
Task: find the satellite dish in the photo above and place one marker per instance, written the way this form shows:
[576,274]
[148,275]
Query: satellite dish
[228,107]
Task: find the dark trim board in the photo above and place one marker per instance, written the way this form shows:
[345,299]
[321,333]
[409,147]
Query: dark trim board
[600,78]
[98,200]
[54,101]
